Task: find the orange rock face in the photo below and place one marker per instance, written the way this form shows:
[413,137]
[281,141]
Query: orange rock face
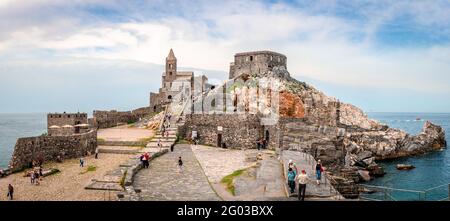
[291,105]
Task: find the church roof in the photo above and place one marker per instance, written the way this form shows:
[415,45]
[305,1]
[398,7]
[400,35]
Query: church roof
[171,55]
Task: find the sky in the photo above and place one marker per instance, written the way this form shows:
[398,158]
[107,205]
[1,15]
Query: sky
[81,55]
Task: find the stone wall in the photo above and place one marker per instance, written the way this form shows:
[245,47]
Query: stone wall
[238,130]
[106,119]
[52,148]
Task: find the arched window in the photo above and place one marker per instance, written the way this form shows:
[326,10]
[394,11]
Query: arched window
[251,58]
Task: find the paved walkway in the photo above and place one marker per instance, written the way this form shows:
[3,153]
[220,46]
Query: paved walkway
[306,162]
[124,133]
[162,180]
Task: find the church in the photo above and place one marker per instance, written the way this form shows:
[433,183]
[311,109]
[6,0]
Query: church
[176,85]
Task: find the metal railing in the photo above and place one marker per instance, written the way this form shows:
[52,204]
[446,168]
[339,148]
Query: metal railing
[383,193]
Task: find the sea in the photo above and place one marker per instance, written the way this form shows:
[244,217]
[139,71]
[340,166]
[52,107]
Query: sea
[428,181]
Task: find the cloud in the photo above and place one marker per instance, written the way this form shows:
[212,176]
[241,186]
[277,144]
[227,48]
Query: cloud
[349,43]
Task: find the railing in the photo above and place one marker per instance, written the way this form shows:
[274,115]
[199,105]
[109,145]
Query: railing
[383,193]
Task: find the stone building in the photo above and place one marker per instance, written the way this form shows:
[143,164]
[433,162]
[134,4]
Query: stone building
[256,62]
[174,82]
[64,124]
[68,136]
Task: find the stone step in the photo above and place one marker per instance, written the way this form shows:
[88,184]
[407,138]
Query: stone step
[164,139]
[119,149]
[153,150]
[155,144]
[160,136]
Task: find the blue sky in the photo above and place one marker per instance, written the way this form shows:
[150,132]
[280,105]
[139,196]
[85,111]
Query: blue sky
[82,55]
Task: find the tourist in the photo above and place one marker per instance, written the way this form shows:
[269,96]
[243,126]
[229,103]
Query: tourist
[302,180]
[159,143]
[96,153]
[146,160]
[171,147]
[32,177]
[293,166]
[81,162]
[36,176]
[180,165]
[319,171]
[10,192]
[291,179]
[40,171]
[258,144]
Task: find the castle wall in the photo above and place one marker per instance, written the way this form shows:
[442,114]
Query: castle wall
[238,131]
[61,119]
[106,119]
[52,148]
[256,62]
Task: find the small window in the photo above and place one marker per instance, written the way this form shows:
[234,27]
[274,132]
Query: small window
[251,58]
[170,73]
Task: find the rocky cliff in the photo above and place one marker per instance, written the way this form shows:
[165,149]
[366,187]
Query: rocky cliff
[358,142]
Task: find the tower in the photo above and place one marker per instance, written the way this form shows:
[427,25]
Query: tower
[171,67]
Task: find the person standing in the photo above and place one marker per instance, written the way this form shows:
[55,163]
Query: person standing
[291,179]
[302,180]
[319,171]
[36,176]
[32,177]
[159,143]
[146,160]
[81,162]
[40,171]
[180,165]
[293,166]
[258,144]
[10,192]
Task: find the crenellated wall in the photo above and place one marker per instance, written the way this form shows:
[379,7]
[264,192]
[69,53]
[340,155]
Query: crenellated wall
[52,148]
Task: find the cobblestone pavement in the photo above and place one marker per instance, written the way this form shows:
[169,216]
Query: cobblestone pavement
[163,181]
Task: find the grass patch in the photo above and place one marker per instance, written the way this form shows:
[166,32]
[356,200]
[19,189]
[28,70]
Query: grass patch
[228,180]
[100,139]
[90,168]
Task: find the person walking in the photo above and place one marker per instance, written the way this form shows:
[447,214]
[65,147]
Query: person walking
[319,170]
[291,180]
[258,144]
[10,192]
[180,165]
[96,153]
[40,171]
[302,180]
[81,162]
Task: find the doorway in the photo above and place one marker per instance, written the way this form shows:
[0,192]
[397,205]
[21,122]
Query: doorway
[219,140]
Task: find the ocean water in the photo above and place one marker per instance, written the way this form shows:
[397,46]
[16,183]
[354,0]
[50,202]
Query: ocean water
[13,126]
[432,169]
